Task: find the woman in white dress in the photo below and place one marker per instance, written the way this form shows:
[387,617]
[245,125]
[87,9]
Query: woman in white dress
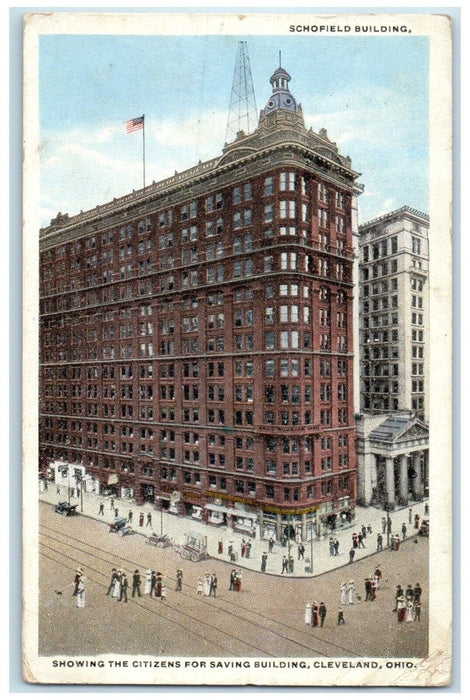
[207,584]
[81,592]
[409,612]
[148,582]
[200,585]
[344,594]
[117,585]
[308,614]
[351,593]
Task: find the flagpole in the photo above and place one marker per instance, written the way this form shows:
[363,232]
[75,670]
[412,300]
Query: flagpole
[143,146]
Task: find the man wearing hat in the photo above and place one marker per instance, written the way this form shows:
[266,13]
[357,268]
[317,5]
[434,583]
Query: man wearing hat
[136,581]
[398,594]
[124,585]
[76,580]
[179,580]
[111,583]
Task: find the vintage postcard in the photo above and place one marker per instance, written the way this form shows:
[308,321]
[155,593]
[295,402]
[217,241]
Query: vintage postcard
[238,333]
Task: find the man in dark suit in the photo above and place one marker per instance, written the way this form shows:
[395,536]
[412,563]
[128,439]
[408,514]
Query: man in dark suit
[322,613]
[136,581]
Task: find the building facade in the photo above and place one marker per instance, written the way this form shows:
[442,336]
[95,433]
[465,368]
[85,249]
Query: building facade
[197,335]
[394,313]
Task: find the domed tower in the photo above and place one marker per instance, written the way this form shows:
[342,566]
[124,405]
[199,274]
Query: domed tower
[281,98]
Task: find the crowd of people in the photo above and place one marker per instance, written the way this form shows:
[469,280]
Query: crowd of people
[408,603]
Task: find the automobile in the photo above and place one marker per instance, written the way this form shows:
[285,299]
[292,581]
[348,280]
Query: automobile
[65,508]
[120,526]
[424,529]
[159,540]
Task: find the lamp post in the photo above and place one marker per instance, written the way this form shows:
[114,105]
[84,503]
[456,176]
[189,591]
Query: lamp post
[311,546]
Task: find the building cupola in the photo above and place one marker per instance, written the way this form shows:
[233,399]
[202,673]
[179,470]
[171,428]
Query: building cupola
[281,98]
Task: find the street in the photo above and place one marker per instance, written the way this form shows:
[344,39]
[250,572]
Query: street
[266,618]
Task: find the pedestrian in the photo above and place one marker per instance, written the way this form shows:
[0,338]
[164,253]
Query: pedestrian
[213,585]
[426,512]
[124,585]
[238,581]
[149,519]
[368,587]
[389,524]
[344,594]
[314,614]
[117,584]
[351,593]
[81,592]
[374,588]
[377,577]
[158,585]
[308,614]
[417,592]
[341,617]
[369,529]
[417,517]
[136,583]
[285,565]
[403,530]
[355,540]
[384,525]
[331,544]
[410,516]
[111,583]
[111,503]
[300,551]
[221,547]
[264,558]
[101,510]
[336,547]
[364,531]
[230,550]
[130,515]
[398,595]
[200,585]
[76,581]
[401,609]
[352,553]
[163,592]
[141,519]
[116,512]
[179,580]
[360,539]
[322,613]
[409,594]
[207,583]
[379,542]
[148,583]
[153,583]
[248,550]
[45,485]
[418,611]
[392,542]
[271,544]
[233,575]
[291,564]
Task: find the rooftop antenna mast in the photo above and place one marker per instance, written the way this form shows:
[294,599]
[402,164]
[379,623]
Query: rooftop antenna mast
[243,114]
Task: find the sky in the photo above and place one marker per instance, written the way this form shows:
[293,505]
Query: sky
[370,93]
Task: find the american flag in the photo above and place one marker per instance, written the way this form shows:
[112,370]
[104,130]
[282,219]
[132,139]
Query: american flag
[134,124]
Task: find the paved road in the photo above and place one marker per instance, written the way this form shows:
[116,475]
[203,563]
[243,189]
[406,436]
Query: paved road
[265,619]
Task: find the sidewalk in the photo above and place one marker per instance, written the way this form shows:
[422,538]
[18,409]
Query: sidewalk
[176,526]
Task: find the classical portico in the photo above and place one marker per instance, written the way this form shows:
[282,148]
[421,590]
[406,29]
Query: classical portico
[392,455]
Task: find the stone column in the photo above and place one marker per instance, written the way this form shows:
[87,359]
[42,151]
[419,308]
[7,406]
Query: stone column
[390,480]
[403,480]
[418,482]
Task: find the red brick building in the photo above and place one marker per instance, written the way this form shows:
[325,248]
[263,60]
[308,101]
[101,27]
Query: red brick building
[197,335]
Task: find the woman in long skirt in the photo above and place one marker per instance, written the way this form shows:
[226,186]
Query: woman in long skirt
[308,613]
[238,582]
[117,585]
[344,594]
[81,592]
[351,593]
[158,590]
[314,614]
[207,584]
[200,585]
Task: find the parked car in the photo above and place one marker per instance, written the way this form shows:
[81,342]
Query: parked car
[159,540]
[65,508]
[120,526]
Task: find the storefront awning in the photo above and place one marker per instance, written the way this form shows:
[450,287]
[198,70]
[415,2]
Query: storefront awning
[230,511]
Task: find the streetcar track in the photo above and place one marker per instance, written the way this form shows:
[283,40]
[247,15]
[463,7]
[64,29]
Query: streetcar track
[236,605]
[159,614]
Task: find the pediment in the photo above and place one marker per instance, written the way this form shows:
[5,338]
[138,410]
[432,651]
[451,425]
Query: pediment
[236,154]
[416,431]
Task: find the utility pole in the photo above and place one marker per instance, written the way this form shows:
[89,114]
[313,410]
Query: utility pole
[243,114]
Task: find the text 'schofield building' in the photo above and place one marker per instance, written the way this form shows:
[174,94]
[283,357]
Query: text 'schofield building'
[196,335]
